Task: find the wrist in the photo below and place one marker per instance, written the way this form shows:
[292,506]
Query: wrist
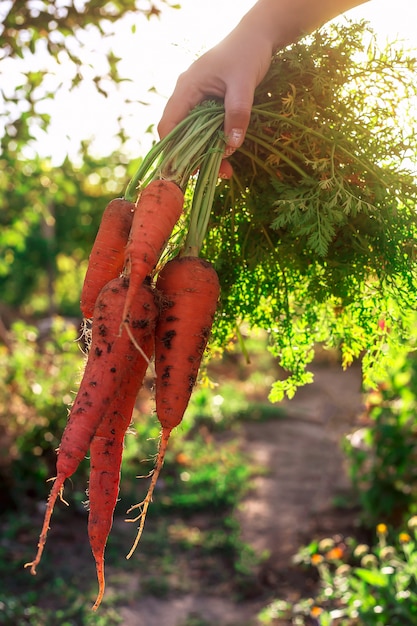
[281,22]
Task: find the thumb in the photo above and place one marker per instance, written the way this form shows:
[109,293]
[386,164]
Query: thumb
[237,116]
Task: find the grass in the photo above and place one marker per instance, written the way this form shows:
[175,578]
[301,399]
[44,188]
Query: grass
[191,539]
[188,542]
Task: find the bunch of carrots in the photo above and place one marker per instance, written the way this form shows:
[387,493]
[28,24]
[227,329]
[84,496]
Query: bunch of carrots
[145,303]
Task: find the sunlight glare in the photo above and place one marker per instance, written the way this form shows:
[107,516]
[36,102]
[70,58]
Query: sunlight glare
[153,53]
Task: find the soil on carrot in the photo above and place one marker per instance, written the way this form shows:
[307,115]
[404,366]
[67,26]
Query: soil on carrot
[192,570]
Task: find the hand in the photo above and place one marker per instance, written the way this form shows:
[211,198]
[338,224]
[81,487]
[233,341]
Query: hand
[235,67]
[231,71]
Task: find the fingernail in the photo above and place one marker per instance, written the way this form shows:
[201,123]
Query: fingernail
[235,137]
[234,140]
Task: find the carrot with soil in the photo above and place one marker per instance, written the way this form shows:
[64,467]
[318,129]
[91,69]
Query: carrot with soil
[106,448]
[189,290]
[107,255]
[109,358]
[158,209]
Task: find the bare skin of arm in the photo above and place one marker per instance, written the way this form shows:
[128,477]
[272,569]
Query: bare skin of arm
[235,67]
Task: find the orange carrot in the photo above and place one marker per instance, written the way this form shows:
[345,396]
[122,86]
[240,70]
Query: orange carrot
[107,255]
[109,356]
[189,290]
[107,447]
[158,209]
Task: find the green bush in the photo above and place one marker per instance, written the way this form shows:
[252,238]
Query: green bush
[48,225]
[358,585]
[382,454]
[38,383]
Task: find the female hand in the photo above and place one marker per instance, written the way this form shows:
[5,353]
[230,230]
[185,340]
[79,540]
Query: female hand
[234,68]
[230,71]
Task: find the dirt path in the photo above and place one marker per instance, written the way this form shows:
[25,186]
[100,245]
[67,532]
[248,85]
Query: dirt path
[304,462]
[303,471]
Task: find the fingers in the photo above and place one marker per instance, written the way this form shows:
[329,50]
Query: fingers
[198,82]
[208,77]
[182,101]
[238,104]
[225,170]
[170,119]
[231,70]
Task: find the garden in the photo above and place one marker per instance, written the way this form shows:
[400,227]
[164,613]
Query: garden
[287,494]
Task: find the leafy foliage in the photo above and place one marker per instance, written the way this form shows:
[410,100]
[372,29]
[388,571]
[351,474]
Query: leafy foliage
[382,453]
[33,29]
[50,217]
[314,238]
[40,370]
[358,584]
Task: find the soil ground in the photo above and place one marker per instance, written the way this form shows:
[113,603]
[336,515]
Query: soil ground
[291,502]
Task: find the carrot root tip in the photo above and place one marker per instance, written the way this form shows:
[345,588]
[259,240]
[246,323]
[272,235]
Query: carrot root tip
[32,566]
[98,599]
[132,508]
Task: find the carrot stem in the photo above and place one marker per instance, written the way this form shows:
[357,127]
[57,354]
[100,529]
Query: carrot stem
[279,117]
[177,155]
[272,150]
[203,198]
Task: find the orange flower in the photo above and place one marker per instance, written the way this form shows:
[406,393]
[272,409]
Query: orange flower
[382,529]
[335,554]
[316,611]
[404,537]
[182,459]
[316,559]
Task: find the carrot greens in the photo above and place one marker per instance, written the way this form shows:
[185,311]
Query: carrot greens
[314,237]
